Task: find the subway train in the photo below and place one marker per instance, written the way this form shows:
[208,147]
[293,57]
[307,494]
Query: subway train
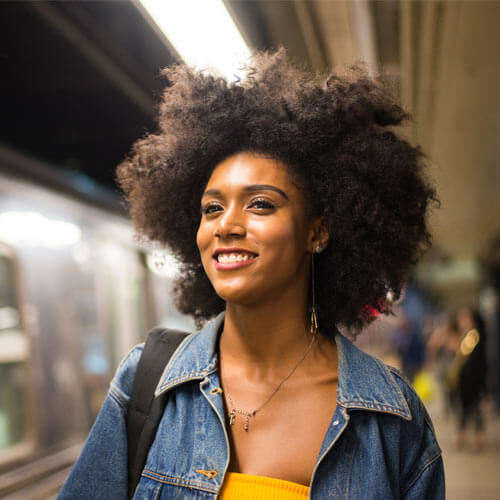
[77,291]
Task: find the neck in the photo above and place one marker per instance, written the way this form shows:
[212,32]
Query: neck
[265,335]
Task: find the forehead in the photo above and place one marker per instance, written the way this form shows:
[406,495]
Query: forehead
[243,169]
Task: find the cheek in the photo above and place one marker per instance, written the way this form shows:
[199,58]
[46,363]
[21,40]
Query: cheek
[202,238]
[285,238]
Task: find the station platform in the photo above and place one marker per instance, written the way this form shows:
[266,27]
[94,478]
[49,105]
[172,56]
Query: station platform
[470,475]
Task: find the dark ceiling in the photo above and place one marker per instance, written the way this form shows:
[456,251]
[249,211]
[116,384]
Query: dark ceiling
[79,81]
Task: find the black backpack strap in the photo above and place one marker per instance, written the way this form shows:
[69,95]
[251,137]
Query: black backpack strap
[144,410]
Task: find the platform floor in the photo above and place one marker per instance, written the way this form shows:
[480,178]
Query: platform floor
[469,475]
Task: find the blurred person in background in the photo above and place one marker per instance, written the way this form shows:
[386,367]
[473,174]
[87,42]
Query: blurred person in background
[441,350]
[466,376]
[407,340]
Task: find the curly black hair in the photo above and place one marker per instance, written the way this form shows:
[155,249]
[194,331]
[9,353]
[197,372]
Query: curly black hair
[334,133]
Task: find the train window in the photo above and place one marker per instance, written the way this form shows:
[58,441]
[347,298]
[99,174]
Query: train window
[12,404]
[9,315]
[14,355]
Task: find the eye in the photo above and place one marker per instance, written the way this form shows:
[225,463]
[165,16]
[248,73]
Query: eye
[261,204]
[210,208]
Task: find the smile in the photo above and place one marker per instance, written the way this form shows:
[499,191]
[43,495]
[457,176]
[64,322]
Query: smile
[233,260]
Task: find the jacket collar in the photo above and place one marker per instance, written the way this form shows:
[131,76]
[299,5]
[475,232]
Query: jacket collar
[365,383]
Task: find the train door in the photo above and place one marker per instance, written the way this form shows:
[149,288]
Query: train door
[125,314]
[16,408]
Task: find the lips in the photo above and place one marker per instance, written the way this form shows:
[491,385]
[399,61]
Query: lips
[232,258]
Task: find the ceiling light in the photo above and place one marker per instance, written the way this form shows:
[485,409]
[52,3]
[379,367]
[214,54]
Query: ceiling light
[34,229]
[203,34]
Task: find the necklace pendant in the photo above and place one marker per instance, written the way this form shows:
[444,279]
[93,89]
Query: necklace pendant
[247,419]
[232,417]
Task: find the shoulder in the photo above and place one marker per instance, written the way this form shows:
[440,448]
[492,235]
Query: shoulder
[123,379]
[415,404]
[420,451]
[366,383]
[161,349]
[420,456]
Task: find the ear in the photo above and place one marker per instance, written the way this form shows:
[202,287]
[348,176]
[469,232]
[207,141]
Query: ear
[318,234]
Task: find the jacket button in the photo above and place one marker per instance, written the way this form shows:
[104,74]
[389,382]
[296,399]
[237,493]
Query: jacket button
[336,423]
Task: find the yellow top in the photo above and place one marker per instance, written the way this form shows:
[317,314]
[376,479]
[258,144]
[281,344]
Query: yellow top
[247,487]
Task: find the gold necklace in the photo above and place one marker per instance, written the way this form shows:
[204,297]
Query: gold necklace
[233,411]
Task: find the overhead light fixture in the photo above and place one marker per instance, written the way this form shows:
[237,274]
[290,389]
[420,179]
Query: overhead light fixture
[203,33]
[34,229]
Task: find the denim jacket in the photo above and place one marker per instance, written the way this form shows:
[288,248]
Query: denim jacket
[380,443]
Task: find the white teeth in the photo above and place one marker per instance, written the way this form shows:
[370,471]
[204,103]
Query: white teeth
[232,258]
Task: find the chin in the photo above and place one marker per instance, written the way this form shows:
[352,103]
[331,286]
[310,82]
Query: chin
[236,295]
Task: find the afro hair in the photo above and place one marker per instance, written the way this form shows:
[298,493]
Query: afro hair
[335,134]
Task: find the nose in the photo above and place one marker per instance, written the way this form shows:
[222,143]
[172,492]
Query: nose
[231,223]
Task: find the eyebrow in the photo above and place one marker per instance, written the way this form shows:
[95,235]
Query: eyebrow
[250,188]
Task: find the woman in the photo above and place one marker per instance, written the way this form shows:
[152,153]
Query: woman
[294,210]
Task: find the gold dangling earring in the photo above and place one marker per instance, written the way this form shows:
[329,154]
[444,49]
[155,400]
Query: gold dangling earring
[314,317]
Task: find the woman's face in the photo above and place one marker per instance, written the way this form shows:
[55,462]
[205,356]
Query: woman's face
[254,234]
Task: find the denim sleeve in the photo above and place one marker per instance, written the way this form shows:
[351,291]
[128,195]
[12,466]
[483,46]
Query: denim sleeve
[429,485]
[100,472]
